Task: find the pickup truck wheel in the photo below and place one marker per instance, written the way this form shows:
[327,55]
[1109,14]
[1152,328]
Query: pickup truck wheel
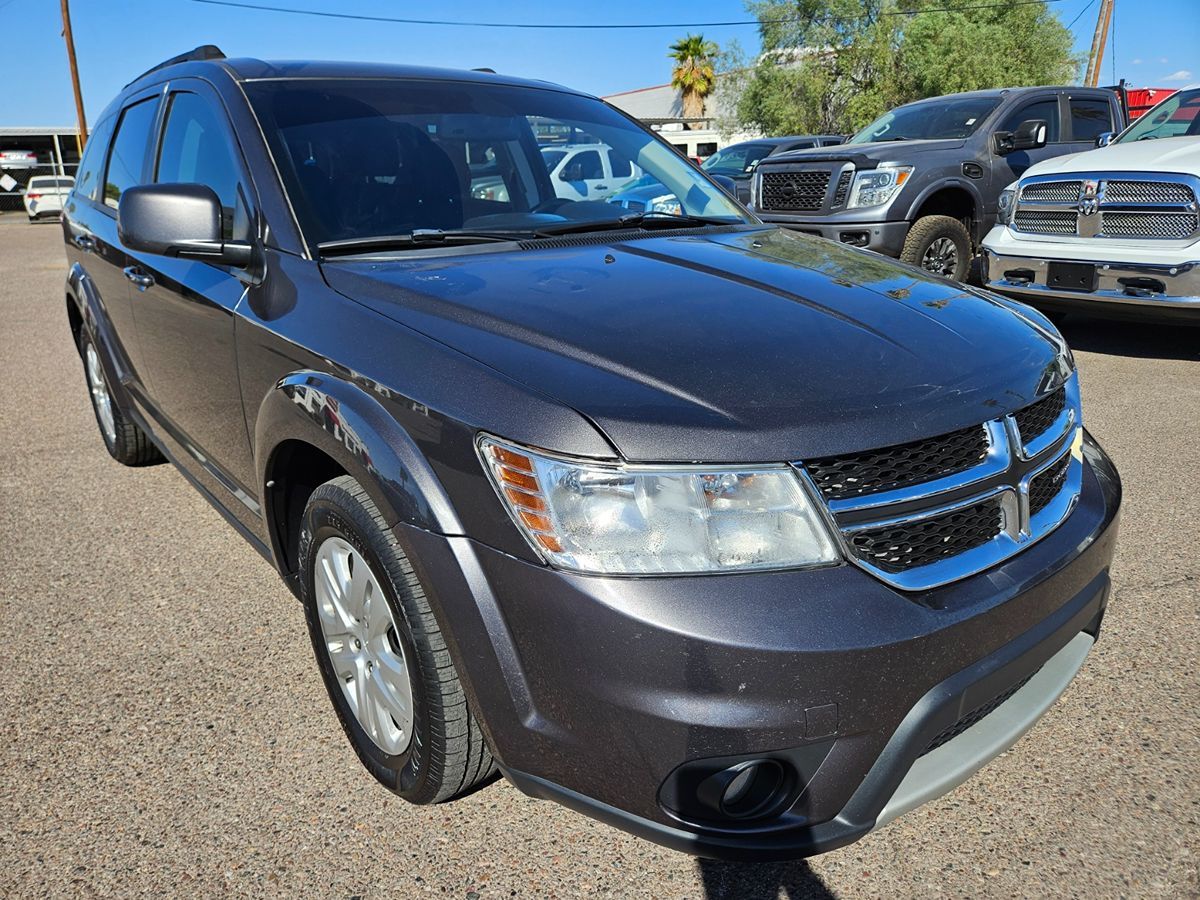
[381,654]
[124,440]
[939,244]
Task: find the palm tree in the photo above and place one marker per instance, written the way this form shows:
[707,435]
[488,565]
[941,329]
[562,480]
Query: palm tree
[694,74]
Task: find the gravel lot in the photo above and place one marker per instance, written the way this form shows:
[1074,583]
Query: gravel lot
[165,729]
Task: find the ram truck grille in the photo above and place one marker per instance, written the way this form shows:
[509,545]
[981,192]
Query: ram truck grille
[1160,207]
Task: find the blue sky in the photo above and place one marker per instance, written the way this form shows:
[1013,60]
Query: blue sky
[1157,42]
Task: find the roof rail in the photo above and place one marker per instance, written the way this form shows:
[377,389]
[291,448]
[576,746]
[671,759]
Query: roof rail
[204,51]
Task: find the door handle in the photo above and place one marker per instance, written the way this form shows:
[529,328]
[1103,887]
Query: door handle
[138,277]
[602,187]
[83,242]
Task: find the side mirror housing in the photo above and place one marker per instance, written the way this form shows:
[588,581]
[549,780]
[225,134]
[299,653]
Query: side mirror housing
[1030,135]
[726,182]
[1105,138]
[182,220]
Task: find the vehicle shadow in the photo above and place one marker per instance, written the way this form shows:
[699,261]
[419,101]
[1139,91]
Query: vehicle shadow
[1138,340]
[761,881]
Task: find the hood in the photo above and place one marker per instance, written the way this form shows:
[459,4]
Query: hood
[742,345]
[865,156]
[1177,154]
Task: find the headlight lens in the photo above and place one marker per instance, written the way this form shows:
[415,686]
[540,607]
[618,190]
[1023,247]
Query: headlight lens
[652,520]
[876,187]
[667,203]
[1007,204]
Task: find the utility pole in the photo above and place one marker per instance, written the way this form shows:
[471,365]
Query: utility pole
[82,135]
[1099,39]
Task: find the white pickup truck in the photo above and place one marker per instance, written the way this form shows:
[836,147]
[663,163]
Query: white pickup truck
[1113,230]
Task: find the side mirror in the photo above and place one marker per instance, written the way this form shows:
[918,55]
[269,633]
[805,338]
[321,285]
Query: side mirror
[573,172]
[1030,135]
[726,182]
[182,220]
[1104,138]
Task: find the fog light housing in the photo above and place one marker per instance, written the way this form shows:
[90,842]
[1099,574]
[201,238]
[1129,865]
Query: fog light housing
[855,238]
[746,790]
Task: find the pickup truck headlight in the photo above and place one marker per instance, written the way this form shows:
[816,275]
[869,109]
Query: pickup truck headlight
[652,520]
[875,187]
[667,203]
[1006,204]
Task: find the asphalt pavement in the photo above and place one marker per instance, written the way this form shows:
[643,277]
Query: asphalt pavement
[165,731]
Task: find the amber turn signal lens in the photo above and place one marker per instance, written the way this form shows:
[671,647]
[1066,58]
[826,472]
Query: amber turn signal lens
[521,480]
[512,460]
[526,501]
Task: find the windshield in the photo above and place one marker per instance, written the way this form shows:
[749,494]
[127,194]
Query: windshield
[364,158]
[943,117]
[736,160]
[1177,116]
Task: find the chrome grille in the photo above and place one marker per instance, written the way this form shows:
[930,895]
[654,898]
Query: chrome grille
[1148,192]
[795,191]
[1045,222]
[1169,226]
[896,548]
[892,467]
[1052,191]
[924,513]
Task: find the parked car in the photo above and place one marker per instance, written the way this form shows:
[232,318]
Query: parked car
[739,540]
[18,159]
[922,181]
[44,195]
[648,194]
[1113,230]
[588,171]
[738,161]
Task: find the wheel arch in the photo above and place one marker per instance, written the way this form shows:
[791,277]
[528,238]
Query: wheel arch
[312,427]
[956,198]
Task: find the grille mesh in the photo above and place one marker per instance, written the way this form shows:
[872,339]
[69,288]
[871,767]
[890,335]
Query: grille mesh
[1047,485]
[1037,417]
[801,191]
[838,477]
[843,188]
[1149,224]
[896,548]
[1052,191]
[1045,222]
[1147,192]
[975,716]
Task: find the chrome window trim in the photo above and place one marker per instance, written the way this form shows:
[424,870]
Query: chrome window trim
[1006,472]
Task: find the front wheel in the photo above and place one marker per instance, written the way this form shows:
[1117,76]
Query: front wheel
[381,653]
[939,244]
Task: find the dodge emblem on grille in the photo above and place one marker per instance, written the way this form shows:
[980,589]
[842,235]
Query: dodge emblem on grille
[1089,200]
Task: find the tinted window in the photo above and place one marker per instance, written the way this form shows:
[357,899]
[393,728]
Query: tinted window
[942,117]
[552,158]
[736,160]
[1176,116]
[1089,119]
[196,151]
[585,165]
[93,160]
[621,166]
[1046,110]
[801,145]
[127,159]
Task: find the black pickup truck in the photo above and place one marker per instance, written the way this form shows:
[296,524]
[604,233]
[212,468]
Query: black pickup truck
[921,182]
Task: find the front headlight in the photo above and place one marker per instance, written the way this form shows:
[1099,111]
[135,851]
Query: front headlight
[652,520]
[667,203]
[1007,204]
[875,187]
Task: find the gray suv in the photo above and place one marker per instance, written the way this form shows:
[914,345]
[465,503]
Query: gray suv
[922,181]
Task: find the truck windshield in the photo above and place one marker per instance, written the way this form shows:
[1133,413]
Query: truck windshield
[939,118]
[1177,116]
[371,158]
[736,160]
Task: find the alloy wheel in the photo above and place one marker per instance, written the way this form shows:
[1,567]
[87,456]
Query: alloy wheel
[363,644]
[940,257]
[100,396]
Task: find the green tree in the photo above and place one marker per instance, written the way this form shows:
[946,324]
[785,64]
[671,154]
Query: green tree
[831,66]
[694,73]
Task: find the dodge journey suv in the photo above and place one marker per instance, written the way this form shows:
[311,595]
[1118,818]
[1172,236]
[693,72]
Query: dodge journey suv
[741,540]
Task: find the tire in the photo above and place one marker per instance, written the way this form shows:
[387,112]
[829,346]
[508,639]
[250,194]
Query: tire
[436,750]
[123,439]
[939,244]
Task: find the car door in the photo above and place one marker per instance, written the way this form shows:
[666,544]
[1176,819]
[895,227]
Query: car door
[116,159]
[581,176]
[1089,117]
[185,309]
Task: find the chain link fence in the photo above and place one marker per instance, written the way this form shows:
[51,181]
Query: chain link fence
[14,181]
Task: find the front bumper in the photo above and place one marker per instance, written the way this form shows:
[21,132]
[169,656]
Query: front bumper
[597,692]
[1148,284]
[882,237]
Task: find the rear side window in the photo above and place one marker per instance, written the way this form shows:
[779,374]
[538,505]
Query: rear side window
[195,150]
[93,160]
[127,158]
[589,165]
[1089,119]
[1046,110]
[621,166]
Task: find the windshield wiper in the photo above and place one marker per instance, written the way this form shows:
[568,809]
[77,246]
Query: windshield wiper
[419,237]
[634,220]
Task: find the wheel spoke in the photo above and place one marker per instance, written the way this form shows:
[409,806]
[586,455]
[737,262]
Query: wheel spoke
[342,655]
[393,678]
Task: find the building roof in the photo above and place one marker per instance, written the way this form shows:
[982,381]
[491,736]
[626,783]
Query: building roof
[36,130]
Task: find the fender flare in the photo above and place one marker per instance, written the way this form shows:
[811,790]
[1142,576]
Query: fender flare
[941,185]
[348,424]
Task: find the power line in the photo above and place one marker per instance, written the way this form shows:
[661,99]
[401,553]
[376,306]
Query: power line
[592,26]
[1091,3]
